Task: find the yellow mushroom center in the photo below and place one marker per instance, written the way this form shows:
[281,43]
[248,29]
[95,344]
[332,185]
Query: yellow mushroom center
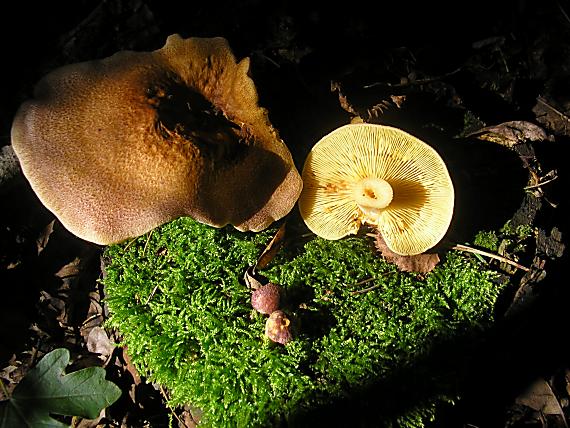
[372,195]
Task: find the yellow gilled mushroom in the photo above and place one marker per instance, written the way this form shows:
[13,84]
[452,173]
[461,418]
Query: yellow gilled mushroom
[118,146]
[378,175]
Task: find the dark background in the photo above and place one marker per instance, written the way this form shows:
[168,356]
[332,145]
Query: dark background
[494,59]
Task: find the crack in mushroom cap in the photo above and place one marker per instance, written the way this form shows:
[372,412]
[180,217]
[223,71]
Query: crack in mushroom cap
[118,146]
[418,213]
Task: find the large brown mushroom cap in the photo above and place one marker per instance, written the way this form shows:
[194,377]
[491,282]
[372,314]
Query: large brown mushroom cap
[118,146]
[364,173]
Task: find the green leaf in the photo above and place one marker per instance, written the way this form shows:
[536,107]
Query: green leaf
[47,389]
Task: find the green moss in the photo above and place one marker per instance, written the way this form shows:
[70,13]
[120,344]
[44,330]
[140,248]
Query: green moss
[471,123]
[178,297]
[516,238]
[487,239]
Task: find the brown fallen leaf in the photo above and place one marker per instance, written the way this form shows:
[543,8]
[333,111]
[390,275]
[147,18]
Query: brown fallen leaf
[342,99]
[94,316]
[54,310]
[253,279]
[91,423]
[421,263]
[552,116]
[69,270]
[510,134]
[98,343]
[398,100]
[130,367]
[43,238]
[540,397]
[271,249]
[190,416]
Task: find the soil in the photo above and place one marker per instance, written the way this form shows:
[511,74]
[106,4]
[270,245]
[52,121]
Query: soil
[441,73]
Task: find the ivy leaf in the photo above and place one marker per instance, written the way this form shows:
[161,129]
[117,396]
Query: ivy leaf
[47,389]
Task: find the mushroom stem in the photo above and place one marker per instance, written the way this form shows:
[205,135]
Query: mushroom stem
[372,195]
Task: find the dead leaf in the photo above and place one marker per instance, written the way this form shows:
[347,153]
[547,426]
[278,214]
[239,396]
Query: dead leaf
[540,397]
[43,239]
[378,110]
[398,100]
[342,99]
[94,316]
[190,416]
[253,279]
[510,134]
[53,308]
[271,249]
[552,116]
[98,343]
[421,263]
[91,423]
[129,366]
[69,270]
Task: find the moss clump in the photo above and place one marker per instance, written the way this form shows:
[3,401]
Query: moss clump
[178,297]
[487,239]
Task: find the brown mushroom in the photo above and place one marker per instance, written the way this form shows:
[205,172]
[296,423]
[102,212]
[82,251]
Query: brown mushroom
[118,146]
[278,328]
[379,175]
[266,298]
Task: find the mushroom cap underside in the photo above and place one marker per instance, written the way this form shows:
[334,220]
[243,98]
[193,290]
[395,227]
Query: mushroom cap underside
[118,146]
[419,211]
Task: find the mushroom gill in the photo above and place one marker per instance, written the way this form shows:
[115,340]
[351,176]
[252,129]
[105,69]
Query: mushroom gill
[378,175]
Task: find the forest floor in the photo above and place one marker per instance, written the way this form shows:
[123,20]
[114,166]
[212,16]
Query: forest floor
[438,73]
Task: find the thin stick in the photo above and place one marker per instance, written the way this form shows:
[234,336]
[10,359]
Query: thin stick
[91,318]
[180,421]
[491,255]
[130,243]
[366,290]
[565,16]
[536,186]
[146,243]
[413,82]
[364,281]
[153,292]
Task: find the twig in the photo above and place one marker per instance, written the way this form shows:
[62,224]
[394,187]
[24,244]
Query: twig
[180,421]
[91,318]
[130,243]
[147,240]
[365,281]
[536,186]
[152,293]
[413,82]
[563,11]
[366,290]
[491,255]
